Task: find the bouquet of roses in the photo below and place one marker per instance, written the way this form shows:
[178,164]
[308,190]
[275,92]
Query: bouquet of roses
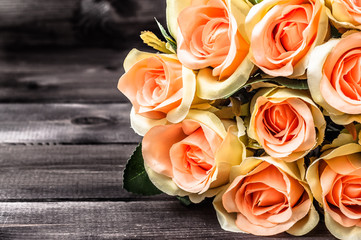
[254,103]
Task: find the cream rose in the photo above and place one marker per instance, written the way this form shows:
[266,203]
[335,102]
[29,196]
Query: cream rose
[334,78]
[192,158]
[266,197]
[284,32]
[159,88]
[212,42]
[335,181]
[344,13]
[287,123]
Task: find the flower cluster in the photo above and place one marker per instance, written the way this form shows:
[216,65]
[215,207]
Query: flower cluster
[257,104]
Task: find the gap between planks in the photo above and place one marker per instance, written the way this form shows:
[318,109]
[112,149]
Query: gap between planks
[134,220]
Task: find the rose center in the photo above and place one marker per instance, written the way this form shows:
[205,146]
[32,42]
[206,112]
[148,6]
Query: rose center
[195,157]
[154,88]
[215,34]
[288,33]
[280,120]
[351,86]
[352,191]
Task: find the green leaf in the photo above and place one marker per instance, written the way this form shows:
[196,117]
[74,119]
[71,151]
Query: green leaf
[167,37]
[254,2]
[184,200]
[135,177]
[281,81]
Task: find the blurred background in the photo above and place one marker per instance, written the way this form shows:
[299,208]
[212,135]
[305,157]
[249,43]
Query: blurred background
[69,50]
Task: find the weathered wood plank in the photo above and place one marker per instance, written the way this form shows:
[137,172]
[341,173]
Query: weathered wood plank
[118,220]
[76,22]
[65,172]
[72,75]
[65,123]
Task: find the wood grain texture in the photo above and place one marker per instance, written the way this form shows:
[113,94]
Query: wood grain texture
[66,173]
[76,22]
[118,220]
[68,75]
[66,123]
[63,172]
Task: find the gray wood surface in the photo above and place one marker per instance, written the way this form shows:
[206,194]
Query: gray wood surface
[65,135]
[117,220]
[67,75]
[60,172]
[76,22]
[66,123]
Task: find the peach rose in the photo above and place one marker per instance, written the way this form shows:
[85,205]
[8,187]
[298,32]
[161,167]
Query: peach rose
[266,197]
[192,158]
[344,13]
[284,122]
[284,32]
[334,78]
[159,88]
[335,181]
[212,42]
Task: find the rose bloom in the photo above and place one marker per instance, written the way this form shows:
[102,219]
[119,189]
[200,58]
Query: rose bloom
[159,88]
[266,197]
[335,181]
[284,32]
[208,39]
[192,158]
[334,78]
[284,122]
[344,13]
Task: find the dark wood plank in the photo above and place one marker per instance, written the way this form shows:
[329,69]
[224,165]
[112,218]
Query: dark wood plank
[118,220]
[76,22]
[71,75]
[64,172]
[65,123]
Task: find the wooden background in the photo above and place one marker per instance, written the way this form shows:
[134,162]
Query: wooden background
[64,127]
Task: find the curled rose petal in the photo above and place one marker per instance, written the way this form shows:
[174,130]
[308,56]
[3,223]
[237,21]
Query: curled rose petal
[335,181]
[334,78]
[345,14]
[284,122]
[266,197]
[159,88]
[283,33]
[213,43]
[192,158]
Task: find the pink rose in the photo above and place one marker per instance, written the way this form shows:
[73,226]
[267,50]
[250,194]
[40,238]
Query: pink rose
[335,181]
[209,39]
[334,78]
[266,197]
[284,32]
[159,88]
[284,122]
[193,157]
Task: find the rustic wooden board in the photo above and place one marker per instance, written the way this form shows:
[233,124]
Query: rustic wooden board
[118,220]
[76,22]
[71,75]
[66,123]
[63,172]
